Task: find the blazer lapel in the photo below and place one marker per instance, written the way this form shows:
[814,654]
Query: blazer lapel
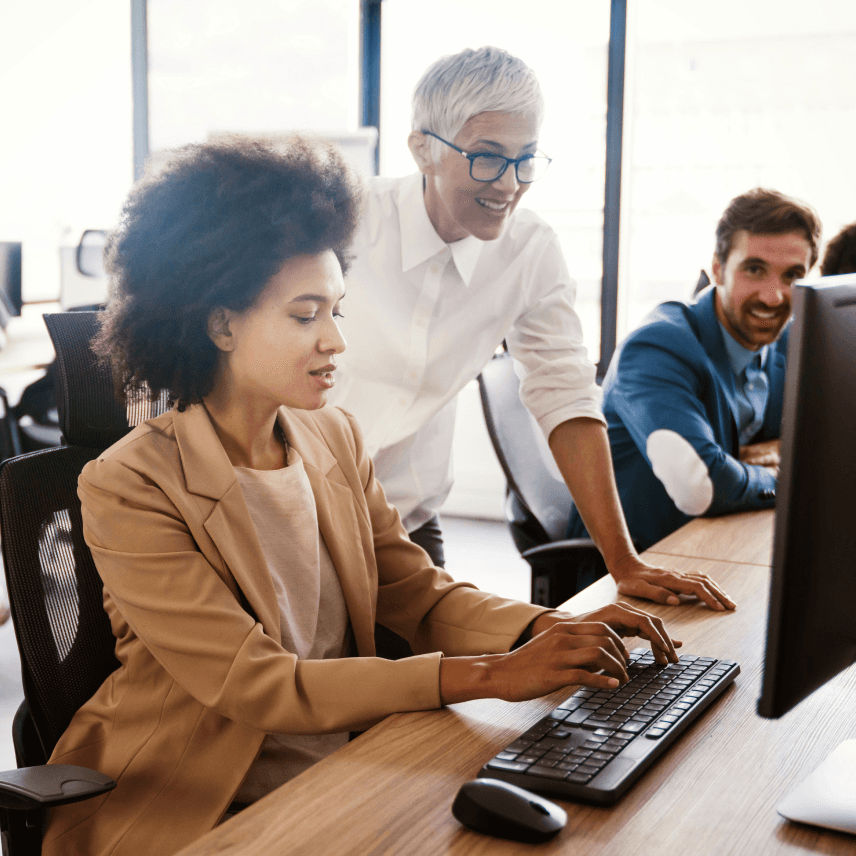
[209,473]
[350,545]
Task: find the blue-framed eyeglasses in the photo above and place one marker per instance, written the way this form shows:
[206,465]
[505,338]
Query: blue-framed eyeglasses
[489,167]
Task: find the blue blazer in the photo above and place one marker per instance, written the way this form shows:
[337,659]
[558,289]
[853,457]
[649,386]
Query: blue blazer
[674,373]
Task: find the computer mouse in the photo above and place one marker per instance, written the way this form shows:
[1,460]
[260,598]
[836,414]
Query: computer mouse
[506,811]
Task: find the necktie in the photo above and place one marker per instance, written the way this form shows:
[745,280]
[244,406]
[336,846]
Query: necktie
[756,390]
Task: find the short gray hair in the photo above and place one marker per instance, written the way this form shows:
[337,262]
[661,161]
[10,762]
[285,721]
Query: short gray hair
[458,87]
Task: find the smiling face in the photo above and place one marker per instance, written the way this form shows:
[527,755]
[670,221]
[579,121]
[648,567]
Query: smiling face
[281,350]
[753,287]
[459,206]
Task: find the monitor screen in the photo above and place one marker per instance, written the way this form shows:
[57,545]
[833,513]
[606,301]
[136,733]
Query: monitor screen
[10,281]
[811,630]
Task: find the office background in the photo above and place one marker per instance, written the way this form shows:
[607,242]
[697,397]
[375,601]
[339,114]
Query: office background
[714,99]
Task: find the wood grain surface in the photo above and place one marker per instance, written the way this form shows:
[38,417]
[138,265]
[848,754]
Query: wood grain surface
[745,538]
[714,792]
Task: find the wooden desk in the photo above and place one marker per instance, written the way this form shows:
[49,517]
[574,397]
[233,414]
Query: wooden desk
[714,792]
[745,538]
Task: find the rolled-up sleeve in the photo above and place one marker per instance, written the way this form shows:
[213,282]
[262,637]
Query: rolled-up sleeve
[557,378]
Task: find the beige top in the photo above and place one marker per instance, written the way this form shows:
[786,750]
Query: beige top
[312,612]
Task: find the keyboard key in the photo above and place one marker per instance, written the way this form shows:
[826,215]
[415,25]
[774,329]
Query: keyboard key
[511,766]
[547,772]
[561,733]
[577,716]
[653,733]
[578,778]
[634,727]
[545,744]
[506,756]
[588,769]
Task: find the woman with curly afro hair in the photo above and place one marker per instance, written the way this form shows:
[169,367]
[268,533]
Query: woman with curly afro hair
[245,547]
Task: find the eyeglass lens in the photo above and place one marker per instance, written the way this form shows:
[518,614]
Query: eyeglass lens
[489,168]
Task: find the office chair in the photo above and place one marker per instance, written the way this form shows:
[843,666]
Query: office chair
[55,593]
[702,284]
[537,506]
[36,412]
[10,440]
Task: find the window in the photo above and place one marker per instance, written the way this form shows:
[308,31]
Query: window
[66,152]
[256,66]
[721,98]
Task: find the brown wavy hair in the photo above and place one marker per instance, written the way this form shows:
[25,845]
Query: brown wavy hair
[209,230]
[766,212]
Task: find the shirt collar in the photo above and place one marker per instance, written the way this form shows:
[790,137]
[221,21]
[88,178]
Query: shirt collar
[738,356]
[419,239]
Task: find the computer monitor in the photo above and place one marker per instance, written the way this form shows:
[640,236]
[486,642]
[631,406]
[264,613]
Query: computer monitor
[10,281]
[811,630]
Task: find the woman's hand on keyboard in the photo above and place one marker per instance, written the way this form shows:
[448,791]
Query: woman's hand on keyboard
[625,620]
[567,650]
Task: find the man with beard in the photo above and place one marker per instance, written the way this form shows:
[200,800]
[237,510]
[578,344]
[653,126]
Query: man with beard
[693,398]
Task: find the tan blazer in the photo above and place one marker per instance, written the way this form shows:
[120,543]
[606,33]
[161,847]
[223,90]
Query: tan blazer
[203,677]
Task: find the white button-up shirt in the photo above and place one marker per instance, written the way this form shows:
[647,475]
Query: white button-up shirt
[422,317]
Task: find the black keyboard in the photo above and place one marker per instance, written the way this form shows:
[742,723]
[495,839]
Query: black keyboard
[597,743]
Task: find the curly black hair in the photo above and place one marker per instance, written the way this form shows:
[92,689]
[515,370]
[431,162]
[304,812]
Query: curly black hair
[210,230]
[840,255]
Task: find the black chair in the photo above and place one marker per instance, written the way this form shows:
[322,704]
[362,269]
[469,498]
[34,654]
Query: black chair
[702,284]
[10,439]
[537,506]
[55,593]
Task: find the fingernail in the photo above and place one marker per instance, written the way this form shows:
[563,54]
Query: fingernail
[673,601]
[612,682]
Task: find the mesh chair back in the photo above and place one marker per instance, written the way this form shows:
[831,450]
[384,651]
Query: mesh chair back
[55,593]
[515,440]
[63,633]
[89,414]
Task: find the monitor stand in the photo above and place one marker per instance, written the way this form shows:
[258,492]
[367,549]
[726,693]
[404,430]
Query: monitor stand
[828,796]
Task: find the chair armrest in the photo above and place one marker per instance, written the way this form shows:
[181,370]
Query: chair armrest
[50,785]
[556,549]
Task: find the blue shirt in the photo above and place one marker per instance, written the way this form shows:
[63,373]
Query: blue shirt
[750,384]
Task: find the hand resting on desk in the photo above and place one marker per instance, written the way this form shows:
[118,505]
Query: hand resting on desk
[565,650]
[766,454]
[636,578]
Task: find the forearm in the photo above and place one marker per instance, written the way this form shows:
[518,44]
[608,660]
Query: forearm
[466,678]
[581,450]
